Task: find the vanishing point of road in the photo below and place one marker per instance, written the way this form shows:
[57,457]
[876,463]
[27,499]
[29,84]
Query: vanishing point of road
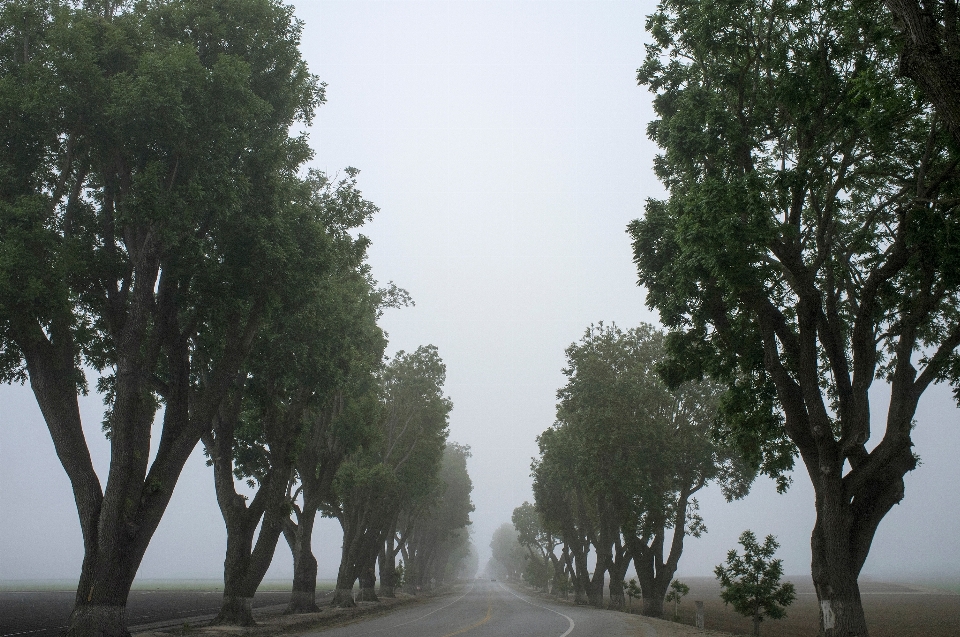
[491,609]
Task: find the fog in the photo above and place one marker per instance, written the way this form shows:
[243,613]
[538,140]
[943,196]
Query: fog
[505,145]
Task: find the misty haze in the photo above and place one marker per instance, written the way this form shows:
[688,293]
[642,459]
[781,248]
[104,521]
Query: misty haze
[499,317]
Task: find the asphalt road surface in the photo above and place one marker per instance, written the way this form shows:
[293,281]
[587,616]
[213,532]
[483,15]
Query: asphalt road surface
[45,613]
[491,609]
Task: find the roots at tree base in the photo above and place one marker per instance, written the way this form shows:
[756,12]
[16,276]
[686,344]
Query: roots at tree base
[235,611]
[343,598]
[302,602]
[618,601]
[367,594]
[89,620]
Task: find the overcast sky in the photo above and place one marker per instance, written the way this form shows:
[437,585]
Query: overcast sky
[504,144]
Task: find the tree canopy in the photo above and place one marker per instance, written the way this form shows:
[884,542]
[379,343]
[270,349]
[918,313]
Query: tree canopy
[806,249]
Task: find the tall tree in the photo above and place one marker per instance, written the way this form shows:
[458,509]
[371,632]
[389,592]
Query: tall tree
[145,148]
[540,542]
[302,355]
[572,507]
[509,557]
[645,452]
[807,248]
[398,467]
[437,531]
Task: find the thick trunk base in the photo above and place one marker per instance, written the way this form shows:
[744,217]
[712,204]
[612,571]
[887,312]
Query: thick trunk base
[387,591]
[302,602]
[343,598]
[653,607]
[617,601]
[367,594]
[839,619]
[93,620]
[235,611]
[579,597]
[595,598]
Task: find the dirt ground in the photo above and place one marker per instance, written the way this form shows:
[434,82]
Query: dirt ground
[892,610]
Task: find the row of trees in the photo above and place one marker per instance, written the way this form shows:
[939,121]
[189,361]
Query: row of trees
[159,232]
[618,472]
[808,245]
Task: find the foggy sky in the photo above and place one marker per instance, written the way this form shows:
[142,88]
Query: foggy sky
[505,145]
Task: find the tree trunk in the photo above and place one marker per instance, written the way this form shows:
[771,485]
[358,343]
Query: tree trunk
[835,578]
[116,523]
[245,563]
[595,590]
[303,596]
[368,583]
[97,619]
[388,571]
[618,572]
[346,576]
[617,598]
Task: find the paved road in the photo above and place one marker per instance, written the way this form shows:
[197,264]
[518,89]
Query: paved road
[45,613]
[491,609]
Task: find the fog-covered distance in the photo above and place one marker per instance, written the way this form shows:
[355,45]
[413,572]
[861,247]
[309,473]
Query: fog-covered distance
[505,145]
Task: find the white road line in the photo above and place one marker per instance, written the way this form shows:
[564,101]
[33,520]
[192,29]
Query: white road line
[437,610]
[28,632]
[572,625]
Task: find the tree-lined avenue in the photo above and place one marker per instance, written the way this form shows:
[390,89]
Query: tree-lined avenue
[486,609]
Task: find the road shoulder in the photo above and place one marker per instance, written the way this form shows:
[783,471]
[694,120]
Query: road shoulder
[272,620]
[646,626]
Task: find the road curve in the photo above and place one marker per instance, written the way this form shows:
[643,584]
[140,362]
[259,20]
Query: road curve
[491,609]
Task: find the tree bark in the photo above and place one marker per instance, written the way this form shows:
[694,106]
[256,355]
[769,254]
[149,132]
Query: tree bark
[388,567]
[618,571]
[117,523]
[247,563]
[368,583]
[299,537]
[930,55]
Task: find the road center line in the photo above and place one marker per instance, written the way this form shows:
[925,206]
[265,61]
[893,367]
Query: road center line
[478,624]
[436,610]
[572,625]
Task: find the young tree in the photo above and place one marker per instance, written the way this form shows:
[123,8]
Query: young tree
[141,197]
[751,583]
[677,592]
[805,250]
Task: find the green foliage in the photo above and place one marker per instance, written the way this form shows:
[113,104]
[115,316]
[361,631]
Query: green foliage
[805,177]
[751,582]
[438,539]
[632,589]
[509,556]
[676,593]
[808,246]
[627,452]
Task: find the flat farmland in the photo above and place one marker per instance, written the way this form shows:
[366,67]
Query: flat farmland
[892,610]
